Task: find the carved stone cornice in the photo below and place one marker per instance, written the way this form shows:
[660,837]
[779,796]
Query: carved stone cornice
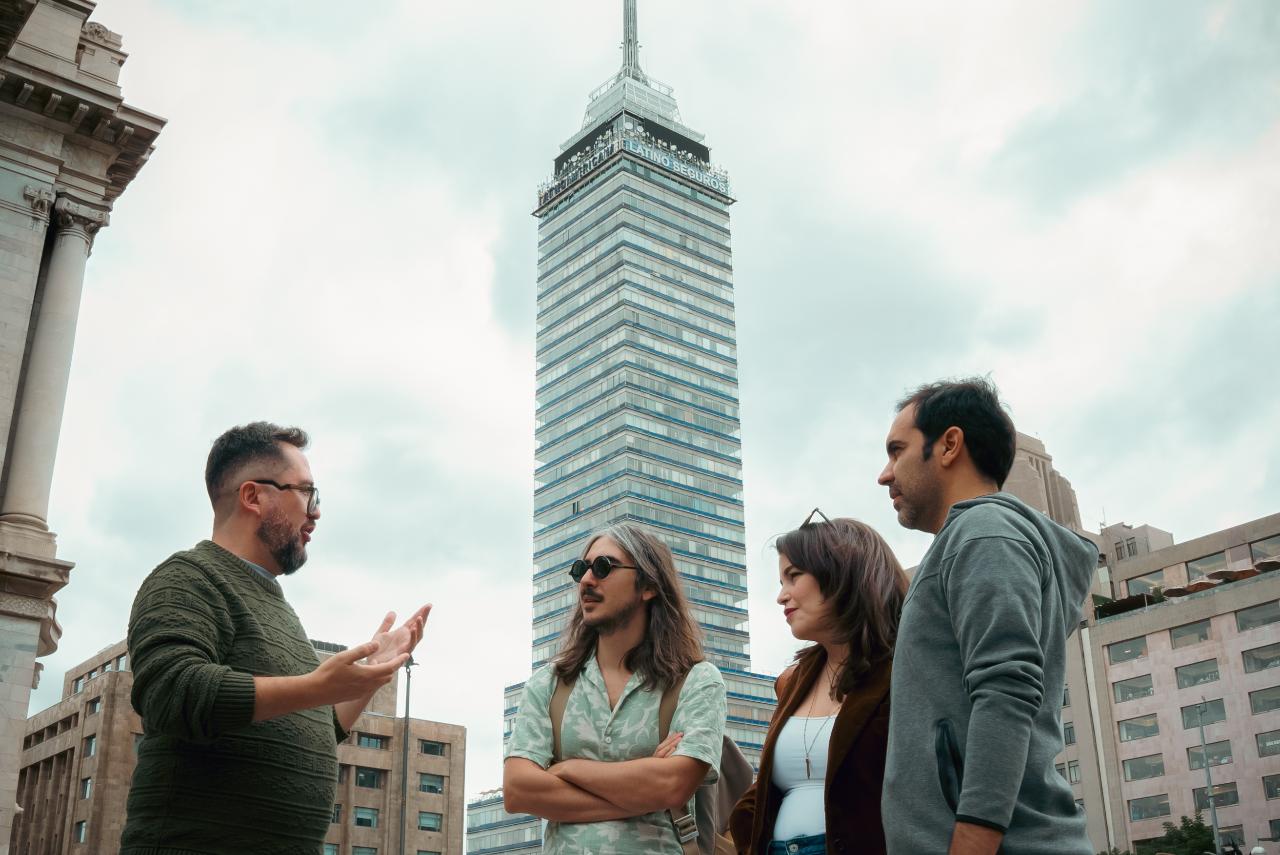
[29,577]
[77,218]
[41,199]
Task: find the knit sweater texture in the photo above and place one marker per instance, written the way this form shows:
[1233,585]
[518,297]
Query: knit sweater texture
[209,779]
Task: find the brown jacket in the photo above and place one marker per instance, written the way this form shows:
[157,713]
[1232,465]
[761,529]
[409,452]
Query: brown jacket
[855,766]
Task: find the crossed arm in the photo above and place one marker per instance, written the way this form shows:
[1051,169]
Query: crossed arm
[594,790]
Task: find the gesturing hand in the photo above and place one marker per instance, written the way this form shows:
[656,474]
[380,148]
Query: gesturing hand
[399,641]
[341,677]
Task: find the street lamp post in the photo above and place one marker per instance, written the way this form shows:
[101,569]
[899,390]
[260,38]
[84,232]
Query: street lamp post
[1208,779]
[408,681]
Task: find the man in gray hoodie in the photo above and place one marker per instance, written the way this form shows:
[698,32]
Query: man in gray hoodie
[978,669]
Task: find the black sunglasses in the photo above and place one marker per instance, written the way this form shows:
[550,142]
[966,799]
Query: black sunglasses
[311,491]
[600,567]
[808,519]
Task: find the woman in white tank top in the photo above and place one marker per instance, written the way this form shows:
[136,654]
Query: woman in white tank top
[818,790]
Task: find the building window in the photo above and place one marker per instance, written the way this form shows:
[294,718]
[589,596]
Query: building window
[1133,688]
[331,849]
[337,814]
[1130,547]
[86,787]
[94,706]
[1202,567]
[1146,584]
[365,817]
[1149,807]
[427,852]
[122,662]
[80,831]
[1123,651]
[1261,658]
[93,672]
[428,821]
[1219,753]
[77,685]
[1271,786]
[1260,615]
[1224,795]
[1139,728]
[1209,712]
[428,783]
[1119,550]
[1189,634]
[430,746]
[1066,696]
[369,778]
[1062,769]
[90,746]
[1232,835]
[1262,550]
[1141,768]
[106,666]
[370,740]
[342,773]
[363,850]
[1268,743]
[1265,700]
[1068,733]
[1197,673]
[1073,771]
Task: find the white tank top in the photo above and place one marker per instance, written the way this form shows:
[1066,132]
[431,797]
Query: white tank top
[803,810]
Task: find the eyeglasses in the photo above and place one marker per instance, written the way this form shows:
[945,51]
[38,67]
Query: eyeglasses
[312,491]
[809,519]
[602,566]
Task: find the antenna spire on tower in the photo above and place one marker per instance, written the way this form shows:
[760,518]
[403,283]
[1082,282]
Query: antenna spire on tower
[630,41]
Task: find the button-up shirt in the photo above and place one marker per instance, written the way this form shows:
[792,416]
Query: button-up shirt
[591,730]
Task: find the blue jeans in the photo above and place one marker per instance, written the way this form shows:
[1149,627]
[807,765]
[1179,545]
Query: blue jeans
[814,844]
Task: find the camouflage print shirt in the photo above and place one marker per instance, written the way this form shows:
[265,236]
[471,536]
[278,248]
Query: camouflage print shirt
[593,731]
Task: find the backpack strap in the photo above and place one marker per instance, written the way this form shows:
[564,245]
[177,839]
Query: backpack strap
[556,711]
[685,826]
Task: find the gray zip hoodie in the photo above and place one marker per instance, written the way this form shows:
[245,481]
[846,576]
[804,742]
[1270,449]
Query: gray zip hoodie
[978,677]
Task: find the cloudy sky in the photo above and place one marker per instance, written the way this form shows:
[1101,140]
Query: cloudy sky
[335,231]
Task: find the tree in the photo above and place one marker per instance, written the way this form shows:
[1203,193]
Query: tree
[1189,837]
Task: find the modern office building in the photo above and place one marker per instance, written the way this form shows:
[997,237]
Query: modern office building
[69,146]
[78,758]
[637,372]
[1192,638]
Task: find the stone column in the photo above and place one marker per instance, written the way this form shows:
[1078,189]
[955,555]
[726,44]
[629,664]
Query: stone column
[44,391]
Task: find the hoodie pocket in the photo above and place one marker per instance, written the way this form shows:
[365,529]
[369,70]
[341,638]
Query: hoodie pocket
[950,764]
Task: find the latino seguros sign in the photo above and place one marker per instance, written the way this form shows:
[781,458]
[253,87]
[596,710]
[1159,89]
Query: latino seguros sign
[677,165]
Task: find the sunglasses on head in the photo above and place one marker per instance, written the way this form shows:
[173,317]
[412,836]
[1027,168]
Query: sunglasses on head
[809,520]
[600,567]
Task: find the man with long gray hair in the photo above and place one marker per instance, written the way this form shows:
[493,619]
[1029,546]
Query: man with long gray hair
[604,781]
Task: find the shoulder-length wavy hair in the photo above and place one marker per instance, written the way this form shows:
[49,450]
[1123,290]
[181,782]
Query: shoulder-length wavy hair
[672,641]
[864,583]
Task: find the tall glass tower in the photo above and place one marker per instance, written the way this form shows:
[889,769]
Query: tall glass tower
[637,374]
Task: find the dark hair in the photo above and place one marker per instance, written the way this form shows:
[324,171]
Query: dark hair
[864,583]
[256,442]
[672,641]
[973,405]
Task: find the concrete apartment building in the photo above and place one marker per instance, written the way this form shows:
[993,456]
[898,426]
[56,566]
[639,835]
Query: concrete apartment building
[1193,636]
[78,758]
[69,146]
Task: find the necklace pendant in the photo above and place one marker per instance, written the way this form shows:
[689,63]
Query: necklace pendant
[807,771]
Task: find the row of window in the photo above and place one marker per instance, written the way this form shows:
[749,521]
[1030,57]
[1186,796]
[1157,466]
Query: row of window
[1197,632]
[425,746]
[120,663]
[1199,568]
[332,849]
[367,817]
[1193,715]
[373,779]
[1223,795]
[1212,754]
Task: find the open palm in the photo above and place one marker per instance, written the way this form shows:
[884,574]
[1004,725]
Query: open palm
[402,639]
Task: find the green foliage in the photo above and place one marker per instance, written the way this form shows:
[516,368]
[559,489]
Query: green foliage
[1188,837]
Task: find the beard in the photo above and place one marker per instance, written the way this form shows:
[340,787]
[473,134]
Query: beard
[283,542]
[609,624]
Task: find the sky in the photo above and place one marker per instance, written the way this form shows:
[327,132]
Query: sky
[334,231]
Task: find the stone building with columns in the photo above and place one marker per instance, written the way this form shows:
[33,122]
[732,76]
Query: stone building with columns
[69,146]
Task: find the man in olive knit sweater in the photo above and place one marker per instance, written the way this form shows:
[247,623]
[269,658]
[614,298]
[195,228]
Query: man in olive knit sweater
[241,721]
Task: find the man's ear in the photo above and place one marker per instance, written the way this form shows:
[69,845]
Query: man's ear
[249,498]
[950,446]
[647,593]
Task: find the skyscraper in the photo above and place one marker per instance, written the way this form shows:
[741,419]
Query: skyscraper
[637,372]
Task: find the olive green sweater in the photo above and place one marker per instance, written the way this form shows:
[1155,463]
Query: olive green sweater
[210,780]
